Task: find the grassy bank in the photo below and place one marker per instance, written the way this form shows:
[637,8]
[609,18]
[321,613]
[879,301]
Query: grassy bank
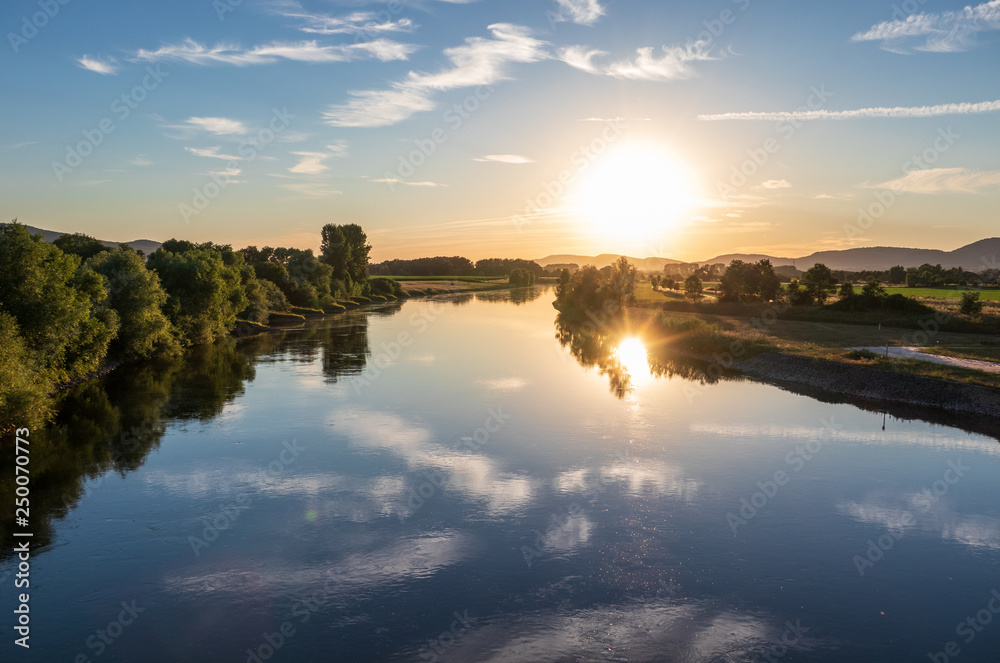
[824,338]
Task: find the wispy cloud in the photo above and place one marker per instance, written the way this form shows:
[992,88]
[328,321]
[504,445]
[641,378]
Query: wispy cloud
[505,158]
[776,184]
[106,66]
[478,62]
[896,112]
[361,22]
[310,189]
[581,58]
[393,180]
[212,153]
[217,125]
[139,161]
[16,146]
[946,32]
[192,52]
[583,12]
[671,63]
[943,180]
[311,163]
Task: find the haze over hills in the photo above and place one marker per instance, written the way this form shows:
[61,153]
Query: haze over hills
[147,246]
[605,259]
[974,257]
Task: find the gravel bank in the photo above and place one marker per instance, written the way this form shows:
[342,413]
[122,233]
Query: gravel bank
[872,384]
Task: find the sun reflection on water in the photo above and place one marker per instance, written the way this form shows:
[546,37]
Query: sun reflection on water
[632,355]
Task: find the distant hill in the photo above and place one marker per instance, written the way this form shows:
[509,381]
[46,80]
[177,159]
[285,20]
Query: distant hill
[973,257]
[605,259]
[747,257]
[147,246]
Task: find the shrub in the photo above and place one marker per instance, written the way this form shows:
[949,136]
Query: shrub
[971,304]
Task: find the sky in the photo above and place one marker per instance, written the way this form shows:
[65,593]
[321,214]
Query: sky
[490,128]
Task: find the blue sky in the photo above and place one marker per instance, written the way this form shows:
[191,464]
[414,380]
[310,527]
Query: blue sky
[680,129]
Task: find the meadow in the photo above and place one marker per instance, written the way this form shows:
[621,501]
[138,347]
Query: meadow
[953,292]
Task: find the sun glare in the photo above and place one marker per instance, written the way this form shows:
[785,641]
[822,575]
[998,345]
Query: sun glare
[636,192]
[631,354]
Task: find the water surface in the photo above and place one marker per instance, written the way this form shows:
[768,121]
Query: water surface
[459,480]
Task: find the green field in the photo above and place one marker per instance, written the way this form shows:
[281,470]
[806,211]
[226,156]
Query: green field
[991,294]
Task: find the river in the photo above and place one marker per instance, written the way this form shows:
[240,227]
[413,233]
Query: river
[456,479]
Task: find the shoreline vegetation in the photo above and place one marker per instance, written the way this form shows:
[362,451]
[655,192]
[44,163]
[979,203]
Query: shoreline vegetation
[75,309]
[788,334]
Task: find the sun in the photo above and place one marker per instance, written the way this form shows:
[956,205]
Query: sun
[636,192]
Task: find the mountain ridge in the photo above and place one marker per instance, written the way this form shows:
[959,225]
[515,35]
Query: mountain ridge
[979,255]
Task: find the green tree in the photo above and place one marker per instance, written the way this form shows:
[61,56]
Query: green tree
[345,248]
[693,288]
[874,289]
[204,285]
[135,294]
[80,245]
[819,282]
[56,304]
[24,384]
[846,289]
[654,281]
[797,295]
[896,275]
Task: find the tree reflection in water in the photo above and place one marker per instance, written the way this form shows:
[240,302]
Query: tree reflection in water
[625,356]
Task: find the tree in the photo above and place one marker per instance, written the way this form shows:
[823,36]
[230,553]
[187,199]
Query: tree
[80,245]
[204,285]
[819,282]
[654,281]
[24,385]
[345,248]
[874,289]
[521,277]
[56,304]
[693,288]
[135,294]
[896,275]
[749,282]
[846,289]
[797,295]
[621,281]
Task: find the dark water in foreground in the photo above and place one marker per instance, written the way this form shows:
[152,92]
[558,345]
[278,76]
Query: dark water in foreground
[468,491]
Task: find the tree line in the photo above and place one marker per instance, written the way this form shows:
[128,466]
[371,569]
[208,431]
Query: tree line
[70,307]
[455,266]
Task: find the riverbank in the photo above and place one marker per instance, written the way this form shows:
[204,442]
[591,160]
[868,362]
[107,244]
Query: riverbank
[874,385]
[813,357]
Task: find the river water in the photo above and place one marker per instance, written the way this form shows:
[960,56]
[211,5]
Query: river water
[456,479]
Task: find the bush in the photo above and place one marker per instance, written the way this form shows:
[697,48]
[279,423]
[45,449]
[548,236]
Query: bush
[334,307]
[971,304]
[385,287]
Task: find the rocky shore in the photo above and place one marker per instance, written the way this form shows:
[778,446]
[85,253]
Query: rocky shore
[875,387]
